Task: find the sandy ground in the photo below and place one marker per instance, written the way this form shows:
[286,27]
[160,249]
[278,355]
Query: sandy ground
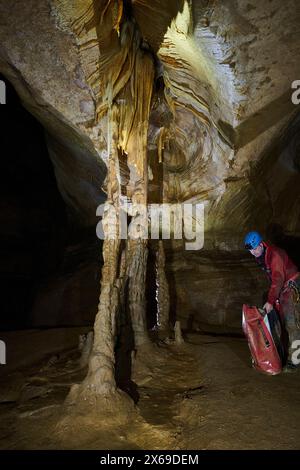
[202,395]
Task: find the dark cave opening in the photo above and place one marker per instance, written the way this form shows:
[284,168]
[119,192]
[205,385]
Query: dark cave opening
[39,243]
[33,215]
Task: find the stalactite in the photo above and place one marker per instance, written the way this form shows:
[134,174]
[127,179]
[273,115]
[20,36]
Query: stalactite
[160,143]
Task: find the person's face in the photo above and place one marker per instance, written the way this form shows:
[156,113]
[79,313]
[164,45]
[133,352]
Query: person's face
[257,252]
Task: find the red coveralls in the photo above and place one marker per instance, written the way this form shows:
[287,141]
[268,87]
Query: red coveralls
[280,270]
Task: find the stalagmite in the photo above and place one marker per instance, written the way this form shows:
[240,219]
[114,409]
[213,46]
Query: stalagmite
[178,334]
[86,349]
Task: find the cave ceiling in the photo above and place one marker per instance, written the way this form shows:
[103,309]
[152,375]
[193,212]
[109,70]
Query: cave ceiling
[222,74]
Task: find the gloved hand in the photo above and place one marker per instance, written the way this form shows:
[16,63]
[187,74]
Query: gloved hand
[268,307]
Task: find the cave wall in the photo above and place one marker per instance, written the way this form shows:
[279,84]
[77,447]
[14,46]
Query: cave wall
[222,130]
[211,287]
[213,283]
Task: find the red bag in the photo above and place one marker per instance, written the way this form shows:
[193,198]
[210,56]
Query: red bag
[260,340]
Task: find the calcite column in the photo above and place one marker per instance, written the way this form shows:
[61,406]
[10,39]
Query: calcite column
[101,366]
[137,283]
[127,78]
[138,162]
[162,289]
[100,380]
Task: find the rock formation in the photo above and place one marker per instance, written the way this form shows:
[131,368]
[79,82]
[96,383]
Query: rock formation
[163,102]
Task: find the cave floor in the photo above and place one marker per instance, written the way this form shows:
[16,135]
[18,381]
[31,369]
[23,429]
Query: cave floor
[202,395]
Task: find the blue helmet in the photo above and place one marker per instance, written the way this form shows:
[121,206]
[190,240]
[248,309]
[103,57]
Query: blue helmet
[252,240]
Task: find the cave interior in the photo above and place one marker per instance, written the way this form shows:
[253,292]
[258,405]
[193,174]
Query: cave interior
[114,106]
